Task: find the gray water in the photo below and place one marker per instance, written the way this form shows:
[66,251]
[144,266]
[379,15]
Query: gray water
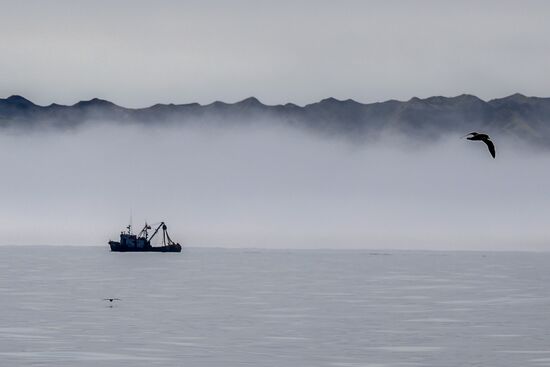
[215,307]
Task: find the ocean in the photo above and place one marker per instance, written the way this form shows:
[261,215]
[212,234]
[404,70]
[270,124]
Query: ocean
[246,307]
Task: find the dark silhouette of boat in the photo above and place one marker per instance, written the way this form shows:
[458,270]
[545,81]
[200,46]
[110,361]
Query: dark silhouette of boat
[130,242]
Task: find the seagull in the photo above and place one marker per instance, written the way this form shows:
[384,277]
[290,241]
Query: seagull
[111,299]
[484,138]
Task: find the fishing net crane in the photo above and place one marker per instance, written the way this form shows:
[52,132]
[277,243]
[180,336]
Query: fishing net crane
[166,240]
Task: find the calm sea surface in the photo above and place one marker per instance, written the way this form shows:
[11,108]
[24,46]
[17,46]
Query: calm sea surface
[214,307]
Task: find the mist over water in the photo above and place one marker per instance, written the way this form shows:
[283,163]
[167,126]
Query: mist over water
[270,186]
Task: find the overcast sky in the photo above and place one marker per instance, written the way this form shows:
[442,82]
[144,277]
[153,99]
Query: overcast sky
[138,53]
[271,187]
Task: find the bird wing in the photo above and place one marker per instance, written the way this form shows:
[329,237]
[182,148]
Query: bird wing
[491,146]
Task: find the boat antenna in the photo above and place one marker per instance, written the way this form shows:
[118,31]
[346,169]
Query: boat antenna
[130,225]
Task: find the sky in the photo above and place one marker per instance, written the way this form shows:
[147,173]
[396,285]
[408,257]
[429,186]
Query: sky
[271,186]
[138,53]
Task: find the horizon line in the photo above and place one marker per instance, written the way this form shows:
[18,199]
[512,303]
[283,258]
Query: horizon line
[377,251]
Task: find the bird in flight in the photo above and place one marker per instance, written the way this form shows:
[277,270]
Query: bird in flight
[484,138]
[111,299]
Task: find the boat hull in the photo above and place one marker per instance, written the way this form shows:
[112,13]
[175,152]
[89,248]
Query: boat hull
[117,247]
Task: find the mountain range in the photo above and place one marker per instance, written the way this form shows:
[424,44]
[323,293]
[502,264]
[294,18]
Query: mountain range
[519,116]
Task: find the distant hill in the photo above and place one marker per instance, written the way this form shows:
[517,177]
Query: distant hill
[527,118]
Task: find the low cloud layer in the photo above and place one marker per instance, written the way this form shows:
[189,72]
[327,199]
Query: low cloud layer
[271,187]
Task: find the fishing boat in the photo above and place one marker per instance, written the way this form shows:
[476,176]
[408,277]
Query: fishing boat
[129,242]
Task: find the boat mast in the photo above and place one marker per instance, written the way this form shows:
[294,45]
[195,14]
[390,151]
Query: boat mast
[143,232]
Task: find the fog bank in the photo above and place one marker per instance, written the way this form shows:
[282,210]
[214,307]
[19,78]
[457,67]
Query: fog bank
[271,187]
